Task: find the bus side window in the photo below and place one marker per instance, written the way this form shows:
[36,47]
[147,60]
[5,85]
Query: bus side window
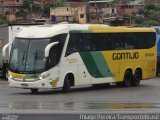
[55,51]
[53,56]
[86,40]
[117,42]
[69,47]
[141,37]
[129,41]
[151,39]
[106,42]
[93,42]
[74,43]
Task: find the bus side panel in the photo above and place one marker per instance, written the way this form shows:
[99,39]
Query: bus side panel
[74,64]
[121,60]
[149,61]
[97,67]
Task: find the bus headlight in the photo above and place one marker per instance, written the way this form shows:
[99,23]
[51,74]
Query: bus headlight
[43,75]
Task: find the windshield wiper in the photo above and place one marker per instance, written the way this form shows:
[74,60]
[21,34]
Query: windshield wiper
[36,55]
[23,57]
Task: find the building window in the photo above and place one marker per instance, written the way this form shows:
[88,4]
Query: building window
[113,11]
[81,15]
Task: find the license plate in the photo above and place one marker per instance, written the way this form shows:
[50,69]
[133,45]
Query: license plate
[24,85]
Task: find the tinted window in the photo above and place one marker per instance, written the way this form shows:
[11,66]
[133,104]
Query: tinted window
[110,41]
[55,51]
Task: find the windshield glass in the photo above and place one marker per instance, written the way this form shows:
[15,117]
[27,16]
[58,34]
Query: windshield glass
[27,55]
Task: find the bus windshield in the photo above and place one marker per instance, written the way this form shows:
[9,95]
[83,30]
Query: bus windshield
[28,55]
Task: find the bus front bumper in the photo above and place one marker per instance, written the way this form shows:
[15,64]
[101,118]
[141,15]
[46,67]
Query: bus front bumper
[28,85]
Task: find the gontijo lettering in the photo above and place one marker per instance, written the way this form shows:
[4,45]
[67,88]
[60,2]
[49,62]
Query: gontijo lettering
[127,55]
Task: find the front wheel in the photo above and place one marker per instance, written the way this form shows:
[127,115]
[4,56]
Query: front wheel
[5,74]
[34,91]
[67,85]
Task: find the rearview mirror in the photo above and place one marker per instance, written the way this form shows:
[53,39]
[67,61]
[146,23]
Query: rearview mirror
[4,49]
[48,47]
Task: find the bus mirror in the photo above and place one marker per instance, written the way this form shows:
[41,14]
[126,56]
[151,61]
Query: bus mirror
[48,47]
[4,49]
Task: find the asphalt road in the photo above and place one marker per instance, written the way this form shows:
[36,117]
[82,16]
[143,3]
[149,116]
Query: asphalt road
[83,100]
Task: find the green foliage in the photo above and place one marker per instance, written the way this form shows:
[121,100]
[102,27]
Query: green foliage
[59,2]
[151,15]
[47,7]
[150,7]
[150,23]
[7,13]
[36,7]
[2,19]
[26,4]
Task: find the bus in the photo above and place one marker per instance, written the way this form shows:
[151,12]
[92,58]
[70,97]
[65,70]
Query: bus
[68,55]
[157,28]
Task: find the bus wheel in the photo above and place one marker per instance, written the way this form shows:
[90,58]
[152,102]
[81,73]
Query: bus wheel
[34,91]
[136,78]
[5,74]
[67,85]
[127,79]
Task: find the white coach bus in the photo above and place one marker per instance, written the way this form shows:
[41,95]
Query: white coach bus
[65,55]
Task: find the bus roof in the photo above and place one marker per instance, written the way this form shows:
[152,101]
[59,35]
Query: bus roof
[49,30]
[110,29]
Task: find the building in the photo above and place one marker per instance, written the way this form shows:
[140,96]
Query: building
[97,10]
[70,11]
[84,12]
[131,8]
[10,6]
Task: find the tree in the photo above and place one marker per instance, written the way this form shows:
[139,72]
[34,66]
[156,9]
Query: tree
[26,4]
[150,23]
[2,19]
[36,7]
[59,2]
[151,14]
[47,7]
